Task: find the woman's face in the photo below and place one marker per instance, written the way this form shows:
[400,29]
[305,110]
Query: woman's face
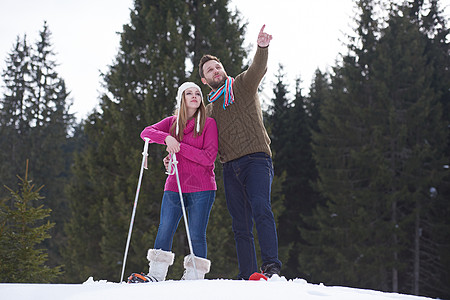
[192,98]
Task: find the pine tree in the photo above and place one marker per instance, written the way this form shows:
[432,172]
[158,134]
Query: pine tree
[341,244]
[420,111]
[334,250]
[21,235]
[14,127]
[49,110]
[279,122]
[302,172]
[411,143]
[290,136]
[157,48]
[35,123]
[318,93]
[435,278]
[377,153]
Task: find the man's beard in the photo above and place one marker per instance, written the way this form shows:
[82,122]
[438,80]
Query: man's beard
[215,85]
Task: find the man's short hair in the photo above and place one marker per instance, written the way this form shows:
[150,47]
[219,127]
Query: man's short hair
[205,58]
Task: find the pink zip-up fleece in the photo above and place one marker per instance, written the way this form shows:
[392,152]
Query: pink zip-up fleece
[196,156]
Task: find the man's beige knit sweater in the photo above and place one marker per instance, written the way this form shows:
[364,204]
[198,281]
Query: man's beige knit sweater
[240,125]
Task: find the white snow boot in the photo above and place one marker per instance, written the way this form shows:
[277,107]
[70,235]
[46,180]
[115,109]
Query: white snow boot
[159,262]
[202,265]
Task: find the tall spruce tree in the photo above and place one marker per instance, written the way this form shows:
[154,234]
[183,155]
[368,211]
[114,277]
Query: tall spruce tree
[377,153]
[412,140]
[14,128]
[301,195]
[334,252]
[35,123]
[279,123]
[158,47]
[420,24]
[318,93]
[293,164]
[49,110]
[430,17]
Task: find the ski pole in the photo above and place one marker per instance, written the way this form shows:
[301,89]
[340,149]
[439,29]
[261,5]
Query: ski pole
[143,165]
[173,163]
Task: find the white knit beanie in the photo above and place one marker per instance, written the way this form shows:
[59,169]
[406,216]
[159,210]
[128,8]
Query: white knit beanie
[181,89]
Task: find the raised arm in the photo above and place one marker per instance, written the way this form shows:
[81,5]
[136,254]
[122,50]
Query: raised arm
[254,74]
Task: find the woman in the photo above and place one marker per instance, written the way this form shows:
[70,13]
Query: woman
[193,137]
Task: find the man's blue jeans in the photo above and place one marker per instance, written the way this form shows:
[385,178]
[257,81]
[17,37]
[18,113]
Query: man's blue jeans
[198,206]
[248,182]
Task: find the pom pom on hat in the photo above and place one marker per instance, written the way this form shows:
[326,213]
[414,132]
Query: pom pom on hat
[180,92]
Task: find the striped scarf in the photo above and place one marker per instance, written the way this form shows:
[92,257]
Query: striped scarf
[227,90]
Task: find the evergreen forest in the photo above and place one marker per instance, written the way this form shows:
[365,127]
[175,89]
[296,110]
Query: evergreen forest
[361,193]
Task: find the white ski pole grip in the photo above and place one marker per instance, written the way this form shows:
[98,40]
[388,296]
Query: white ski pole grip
[145,153]
[144,163]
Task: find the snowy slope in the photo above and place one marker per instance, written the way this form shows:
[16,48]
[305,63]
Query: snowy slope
[276,288]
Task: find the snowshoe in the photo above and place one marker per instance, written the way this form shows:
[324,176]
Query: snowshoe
[257,276]
[141,278]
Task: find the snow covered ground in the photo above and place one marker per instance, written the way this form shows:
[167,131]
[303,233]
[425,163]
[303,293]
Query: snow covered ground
[275,288]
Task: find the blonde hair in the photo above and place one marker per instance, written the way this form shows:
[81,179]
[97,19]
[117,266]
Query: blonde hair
[183,119]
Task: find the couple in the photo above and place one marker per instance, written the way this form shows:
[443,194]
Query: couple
[232,125]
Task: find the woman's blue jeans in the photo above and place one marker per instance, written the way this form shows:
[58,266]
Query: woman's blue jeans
[248,182]
[198,206]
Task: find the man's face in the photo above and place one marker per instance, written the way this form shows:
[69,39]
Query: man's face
[214,73]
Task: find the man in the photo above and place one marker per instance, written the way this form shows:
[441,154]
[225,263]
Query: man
[246,156]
